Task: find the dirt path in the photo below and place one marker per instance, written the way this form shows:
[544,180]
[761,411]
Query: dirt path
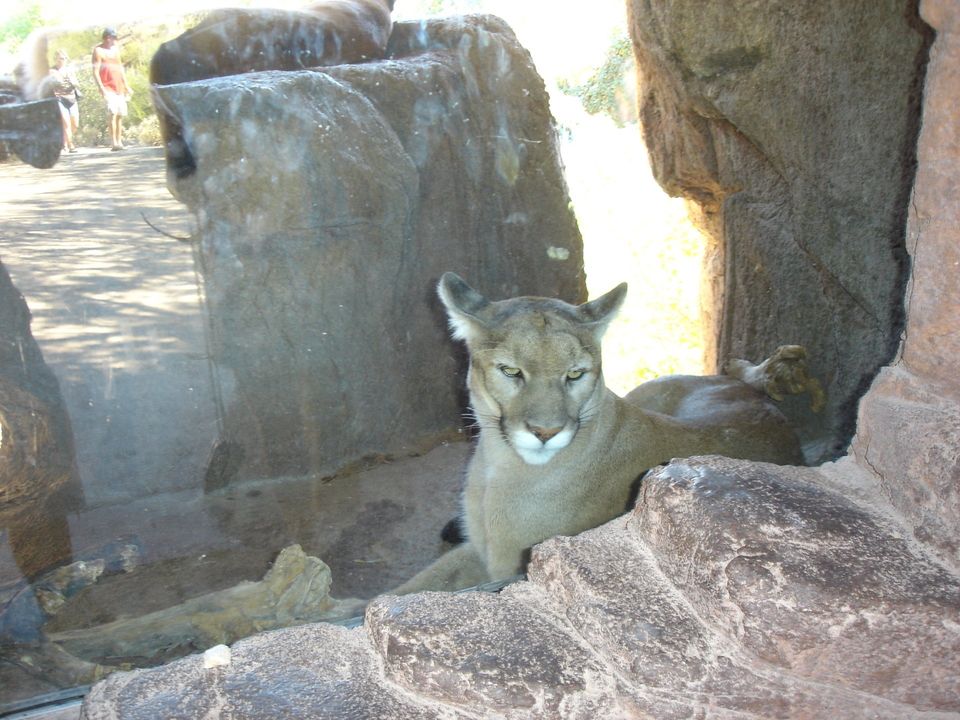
[117,317]
[116,314]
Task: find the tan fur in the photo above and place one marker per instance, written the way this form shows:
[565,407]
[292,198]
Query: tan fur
[32,72]
[535,369]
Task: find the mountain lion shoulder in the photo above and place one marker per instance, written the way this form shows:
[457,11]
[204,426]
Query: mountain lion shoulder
[558,452]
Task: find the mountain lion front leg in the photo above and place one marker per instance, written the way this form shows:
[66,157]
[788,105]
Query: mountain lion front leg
[456,569]
[783,373]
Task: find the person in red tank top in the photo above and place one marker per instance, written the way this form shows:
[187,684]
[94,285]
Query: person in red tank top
[112,81]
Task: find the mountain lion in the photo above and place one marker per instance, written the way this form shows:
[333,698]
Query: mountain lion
[559,453]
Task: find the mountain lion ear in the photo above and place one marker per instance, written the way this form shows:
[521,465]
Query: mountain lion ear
[463,303]
[598,313]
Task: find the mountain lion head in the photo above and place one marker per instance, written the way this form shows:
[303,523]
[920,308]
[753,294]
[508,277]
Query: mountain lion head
[535,371]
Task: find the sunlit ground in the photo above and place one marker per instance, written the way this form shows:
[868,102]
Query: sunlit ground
[634,232]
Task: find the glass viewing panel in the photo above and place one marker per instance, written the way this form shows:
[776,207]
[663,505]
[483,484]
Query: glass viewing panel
[234,366]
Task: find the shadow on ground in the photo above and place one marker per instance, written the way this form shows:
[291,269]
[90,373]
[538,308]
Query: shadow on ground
[117,314]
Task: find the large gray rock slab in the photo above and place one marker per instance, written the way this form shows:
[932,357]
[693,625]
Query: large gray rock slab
[317,668]
[38,477]
[536,667]
[31,130]
[794,126]
[733,589]
[328,203]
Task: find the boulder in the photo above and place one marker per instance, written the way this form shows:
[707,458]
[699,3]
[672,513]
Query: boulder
[30,130]
[329,202]
[734,589]
[38,483]
[908,433]
[794,126]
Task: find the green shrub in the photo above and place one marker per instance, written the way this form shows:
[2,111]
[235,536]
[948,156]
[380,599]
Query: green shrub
[138,44]
[20,24]
[147,132]
[603,91]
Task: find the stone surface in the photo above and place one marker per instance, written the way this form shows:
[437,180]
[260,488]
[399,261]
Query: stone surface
[38,482]
[336,671]
[232,41]
[734,590]
[30,130]
[794,126]
[805,579]
[537,667]
[296,590]
[908,435]
[328,204]
[908,438]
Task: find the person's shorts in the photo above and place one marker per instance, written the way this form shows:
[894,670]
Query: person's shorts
[68,111]
[116,103]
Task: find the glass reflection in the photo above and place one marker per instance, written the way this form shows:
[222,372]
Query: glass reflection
[183,418]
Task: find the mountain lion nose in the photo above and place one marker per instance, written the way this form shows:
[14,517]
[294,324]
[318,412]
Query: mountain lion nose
[543,434]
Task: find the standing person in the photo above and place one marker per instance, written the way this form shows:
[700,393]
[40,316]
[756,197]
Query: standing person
[65,90]
[112,81]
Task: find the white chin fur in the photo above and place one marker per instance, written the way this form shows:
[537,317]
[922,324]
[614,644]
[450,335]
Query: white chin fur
[534,452]
[536,457]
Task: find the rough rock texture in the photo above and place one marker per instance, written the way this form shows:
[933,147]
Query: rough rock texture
[38,479]
[794,125]
[29,130]
[328,204]
[734,589]
[908,434]
[294,591]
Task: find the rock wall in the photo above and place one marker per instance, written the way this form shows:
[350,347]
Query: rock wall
[38,477]
[794,126]
[908,432]
[328,204]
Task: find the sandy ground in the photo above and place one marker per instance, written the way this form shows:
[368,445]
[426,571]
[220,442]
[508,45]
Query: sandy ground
[116,313]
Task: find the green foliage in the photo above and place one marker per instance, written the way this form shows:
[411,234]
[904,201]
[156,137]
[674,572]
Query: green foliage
[15,30]
[602,92]
[146,132]
[139,43]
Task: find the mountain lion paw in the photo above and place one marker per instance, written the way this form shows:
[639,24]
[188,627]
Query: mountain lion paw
[783,373]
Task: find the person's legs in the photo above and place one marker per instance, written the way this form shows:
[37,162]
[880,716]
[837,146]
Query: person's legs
[67,127]
[118,119]
[116,131]
[116,106]
[70,127]
[74,119]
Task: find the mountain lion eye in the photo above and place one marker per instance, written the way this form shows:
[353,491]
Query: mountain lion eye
[510,372]
[575,374]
